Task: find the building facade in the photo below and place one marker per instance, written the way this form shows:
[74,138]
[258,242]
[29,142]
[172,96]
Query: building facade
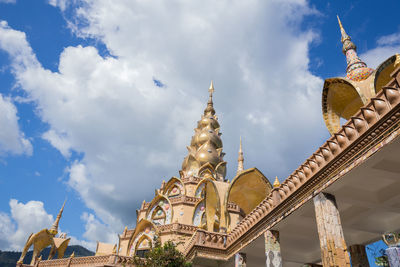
[343,197]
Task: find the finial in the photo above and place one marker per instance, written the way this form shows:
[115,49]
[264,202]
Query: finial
[356,69]
[240,158]
[342,31]
[125,230]
[162,184]
[276,183]
[54,228]
[72,255]
[210,107]
[211,89]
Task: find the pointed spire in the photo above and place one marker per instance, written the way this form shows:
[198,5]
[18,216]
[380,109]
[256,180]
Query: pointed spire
[211,89]
[210,105]
[276,183]
[356,69]
[342,31]
[125,230]
[72,255]
[206,144]
[240,158]
[54,227]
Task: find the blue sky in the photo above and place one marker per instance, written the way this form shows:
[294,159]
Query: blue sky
[104,98]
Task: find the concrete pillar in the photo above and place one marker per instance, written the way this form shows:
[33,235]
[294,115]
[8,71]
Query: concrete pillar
[358,256]
[272,249]
[333,246]
[240,259]
[393,254]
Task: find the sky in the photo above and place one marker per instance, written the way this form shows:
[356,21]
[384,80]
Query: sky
[99,99]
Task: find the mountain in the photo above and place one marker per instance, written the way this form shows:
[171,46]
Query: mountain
[10,258]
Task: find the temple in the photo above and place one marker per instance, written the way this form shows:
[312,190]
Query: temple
[342,198]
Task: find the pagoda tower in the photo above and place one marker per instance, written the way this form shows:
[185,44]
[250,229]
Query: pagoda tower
[205,156]
[201,198]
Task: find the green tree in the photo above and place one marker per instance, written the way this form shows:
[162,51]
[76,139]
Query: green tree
[162,255]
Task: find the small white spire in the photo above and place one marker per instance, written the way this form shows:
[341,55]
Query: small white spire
[240,158]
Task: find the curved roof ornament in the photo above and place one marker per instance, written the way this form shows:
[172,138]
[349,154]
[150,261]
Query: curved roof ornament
[248,189]
[343,97]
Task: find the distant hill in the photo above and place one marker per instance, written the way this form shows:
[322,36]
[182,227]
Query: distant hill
[10,258]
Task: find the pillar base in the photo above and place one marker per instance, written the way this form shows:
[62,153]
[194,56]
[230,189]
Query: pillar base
[358,256]
[393,254]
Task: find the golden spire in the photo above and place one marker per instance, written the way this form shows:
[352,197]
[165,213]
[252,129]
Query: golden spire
[211,89]
[72,255]
[276,183]
[206,146]
[356,69]
[210,105]
[342,31]
[54,228]
[240,158]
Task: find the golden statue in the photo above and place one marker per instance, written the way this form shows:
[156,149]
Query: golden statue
[45,238]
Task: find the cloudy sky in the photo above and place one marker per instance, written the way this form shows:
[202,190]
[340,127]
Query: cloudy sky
[98,99]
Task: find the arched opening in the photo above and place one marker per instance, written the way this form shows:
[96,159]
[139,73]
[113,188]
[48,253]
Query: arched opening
[160,212]
[143,246]
[142,239]
[174,188]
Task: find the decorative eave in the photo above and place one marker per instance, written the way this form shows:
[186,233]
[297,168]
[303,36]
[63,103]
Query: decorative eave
[232,207]
[177,228]
[377,123]
[106,260]
[186,200]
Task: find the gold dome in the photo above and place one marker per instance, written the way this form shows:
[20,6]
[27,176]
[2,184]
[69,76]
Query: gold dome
[208,153]
[206,134]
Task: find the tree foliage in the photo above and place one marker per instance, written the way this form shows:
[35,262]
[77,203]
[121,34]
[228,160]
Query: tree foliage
[162,255]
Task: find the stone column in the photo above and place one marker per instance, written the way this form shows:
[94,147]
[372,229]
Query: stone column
[358,256]
[272,249]
[333,246]
[240,259]
[393,254]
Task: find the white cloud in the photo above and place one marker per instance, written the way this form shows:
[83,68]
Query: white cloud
[25,219]
[12,140]
[259,119]
[59,142]
[391,39]
[6,230]
[62,4]
[8,1]
[387,46]
[95,230]
[32,217]
[109,109]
